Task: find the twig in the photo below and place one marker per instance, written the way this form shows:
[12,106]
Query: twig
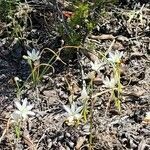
[6,129]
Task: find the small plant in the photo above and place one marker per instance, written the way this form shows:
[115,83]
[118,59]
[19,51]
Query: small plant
[84,97]
[33,59]
[20,20]
[115,60]
[21,114]
[16,16]
[78,25]
[7,8]
[116,57]
[72,113]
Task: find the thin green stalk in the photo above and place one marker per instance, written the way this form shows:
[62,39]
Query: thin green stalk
[85,111]
[117,72]
[17,130]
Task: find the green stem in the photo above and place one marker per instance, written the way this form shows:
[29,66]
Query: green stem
[119,85]
[17,130]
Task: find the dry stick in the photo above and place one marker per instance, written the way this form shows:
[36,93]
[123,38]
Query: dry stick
[29,142]
[6,129]
[43,135]
[103,37]
[110,47]
[99,94]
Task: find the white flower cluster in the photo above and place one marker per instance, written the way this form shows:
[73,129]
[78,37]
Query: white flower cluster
[113,58]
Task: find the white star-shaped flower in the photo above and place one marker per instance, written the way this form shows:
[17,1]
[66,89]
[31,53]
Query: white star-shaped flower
[115,57]
[33,55]
[109,83]
[72,113]
[23,110]
[97,65]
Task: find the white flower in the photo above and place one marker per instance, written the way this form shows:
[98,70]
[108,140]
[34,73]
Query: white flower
[33,56]
[96,65]
[73,113]
[109,83]
[23,110]
[115,57]
[84,94]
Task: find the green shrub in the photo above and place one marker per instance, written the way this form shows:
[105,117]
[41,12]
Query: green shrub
[7,8]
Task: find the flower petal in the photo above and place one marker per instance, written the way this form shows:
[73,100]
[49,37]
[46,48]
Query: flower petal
[84,94]
[111,55]
[25,57]
[24,103]
[121,54]
[31,113]
[37,53]
[18,112]
[73,107]
[33,51]
[29,53]
[67,109]
[18,105]
[79,109]
[29,107]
